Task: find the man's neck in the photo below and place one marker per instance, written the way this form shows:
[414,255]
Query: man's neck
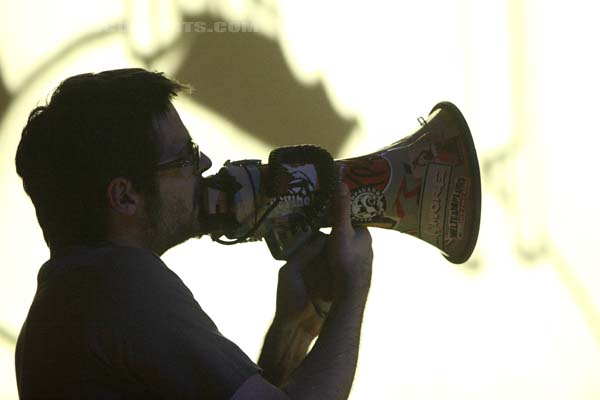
[57,252]
[134,241]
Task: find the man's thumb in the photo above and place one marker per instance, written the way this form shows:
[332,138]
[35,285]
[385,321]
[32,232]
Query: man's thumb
[341,210]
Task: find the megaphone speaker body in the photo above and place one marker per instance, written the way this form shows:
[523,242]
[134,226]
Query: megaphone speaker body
[426,185]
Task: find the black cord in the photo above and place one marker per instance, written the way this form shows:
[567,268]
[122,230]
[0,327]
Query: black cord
[254,228]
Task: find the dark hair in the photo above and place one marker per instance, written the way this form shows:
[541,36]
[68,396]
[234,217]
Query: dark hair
[94,128]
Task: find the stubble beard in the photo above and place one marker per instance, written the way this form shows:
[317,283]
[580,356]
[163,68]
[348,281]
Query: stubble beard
[172,223]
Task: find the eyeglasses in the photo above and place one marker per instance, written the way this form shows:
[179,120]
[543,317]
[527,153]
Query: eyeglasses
[192,158]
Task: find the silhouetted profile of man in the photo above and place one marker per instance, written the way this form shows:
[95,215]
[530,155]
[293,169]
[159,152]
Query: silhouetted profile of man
[116,181]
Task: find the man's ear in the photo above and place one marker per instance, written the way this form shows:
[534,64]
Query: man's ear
[121,197]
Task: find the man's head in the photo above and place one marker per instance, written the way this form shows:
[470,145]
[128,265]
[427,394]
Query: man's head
[93,162]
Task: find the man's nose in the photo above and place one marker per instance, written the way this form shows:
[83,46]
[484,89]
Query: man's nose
[205,163]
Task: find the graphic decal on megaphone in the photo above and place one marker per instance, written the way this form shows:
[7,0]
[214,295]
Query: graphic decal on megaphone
[426,185]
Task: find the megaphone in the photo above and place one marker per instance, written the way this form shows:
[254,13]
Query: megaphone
[426,185]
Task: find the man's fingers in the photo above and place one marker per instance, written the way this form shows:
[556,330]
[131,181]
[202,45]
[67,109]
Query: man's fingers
[310,249]
[341,210]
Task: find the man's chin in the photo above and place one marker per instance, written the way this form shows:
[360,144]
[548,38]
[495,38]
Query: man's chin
[194,233]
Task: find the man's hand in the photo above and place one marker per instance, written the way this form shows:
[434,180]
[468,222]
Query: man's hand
[334,271]
[303,280]
[326,268]
[328,370]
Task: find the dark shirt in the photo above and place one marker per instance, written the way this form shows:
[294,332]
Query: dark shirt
[113,322]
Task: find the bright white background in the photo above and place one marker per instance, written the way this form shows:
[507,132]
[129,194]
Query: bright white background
[521,320]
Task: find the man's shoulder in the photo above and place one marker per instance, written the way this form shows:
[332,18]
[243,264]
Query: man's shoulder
[123,283]
[136,284]
[119,271]
[140,270]
[102,259]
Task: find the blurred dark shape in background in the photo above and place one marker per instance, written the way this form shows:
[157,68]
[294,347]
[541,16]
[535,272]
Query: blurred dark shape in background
[4,97]
[244,77]
[7,336]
